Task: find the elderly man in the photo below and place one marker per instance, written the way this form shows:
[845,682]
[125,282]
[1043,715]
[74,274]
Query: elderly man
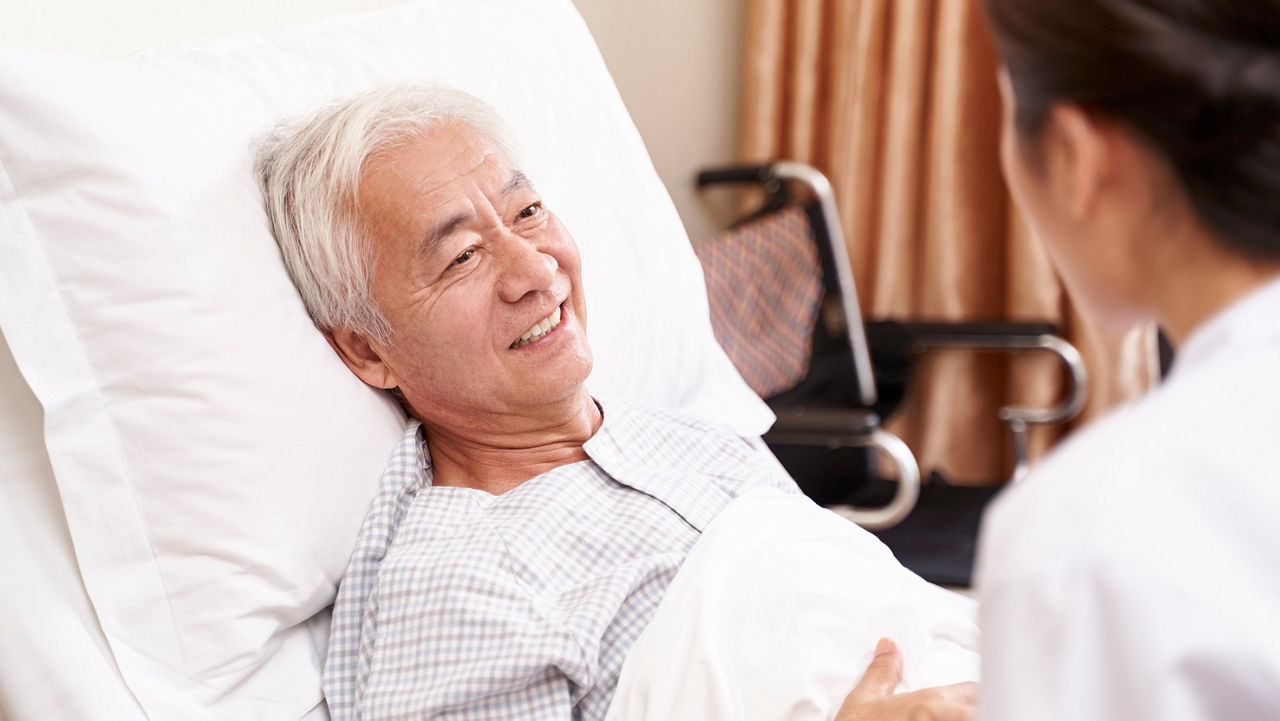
[524,534]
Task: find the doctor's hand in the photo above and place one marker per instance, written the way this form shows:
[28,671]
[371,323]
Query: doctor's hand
[874,700]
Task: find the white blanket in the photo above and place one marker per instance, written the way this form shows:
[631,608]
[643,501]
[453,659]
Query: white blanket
[775,615]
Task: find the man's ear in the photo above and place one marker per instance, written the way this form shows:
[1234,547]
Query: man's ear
[1079,158]
[361,357]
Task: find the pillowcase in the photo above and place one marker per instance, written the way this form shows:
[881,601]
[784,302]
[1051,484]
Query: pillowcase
[212,456]
[46,616]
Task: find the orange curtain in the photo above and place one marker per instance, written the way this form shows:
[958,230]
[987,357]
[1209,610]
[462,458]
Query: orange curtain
[896,102]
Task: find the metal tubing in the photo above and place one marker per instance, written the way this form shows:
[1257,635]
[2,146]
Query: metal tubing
[817,182]
[1060,413]
[904,500]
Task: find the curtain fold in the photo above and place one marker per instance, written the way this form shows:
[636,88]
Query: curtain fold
[896,102]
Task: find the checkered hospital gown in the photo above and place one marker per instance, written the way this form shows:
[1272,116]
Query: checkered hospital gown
[464,605]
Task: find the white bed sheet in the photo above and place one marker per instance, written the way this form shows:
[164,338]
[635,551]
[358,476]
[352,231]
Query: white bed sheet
[775,614]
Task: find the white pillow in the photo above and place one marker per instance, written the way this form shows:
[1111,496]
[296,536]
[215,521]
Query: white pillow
[45,617]
[212,456]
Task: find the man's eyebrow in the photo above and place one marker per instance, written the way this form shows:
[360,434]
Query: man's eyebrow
[518,181]
[440,230]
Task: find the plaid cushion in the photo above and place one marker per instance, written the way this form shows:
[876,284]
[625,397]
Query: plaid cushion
[764,284]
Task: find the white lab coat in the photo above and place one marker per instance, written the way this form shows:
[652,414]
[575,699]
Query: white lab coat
[1136,573]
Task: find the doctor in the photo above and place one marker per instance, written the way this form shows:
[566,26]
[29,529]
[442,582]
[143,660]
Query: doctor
[1136,574]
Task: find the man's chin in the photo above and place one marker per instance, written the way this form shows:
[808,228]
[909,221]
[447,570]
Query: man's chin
[569,389]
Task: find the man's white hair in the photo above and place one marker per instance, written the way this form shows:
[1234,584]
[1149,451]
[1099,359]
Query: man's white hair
[309,170]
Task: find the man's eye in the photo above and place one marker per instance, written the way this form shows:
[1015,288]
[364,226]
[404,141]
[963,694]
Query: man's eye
[466,255]
[530,211]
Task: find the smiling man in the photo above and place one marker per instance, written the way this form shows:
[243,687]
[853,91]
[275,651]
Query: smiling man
[524,534]
[481,286]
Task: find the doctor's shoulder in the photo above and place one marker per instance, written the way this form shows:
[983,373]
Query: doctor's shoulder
[1156,483]
[1149,534]
[1096,481]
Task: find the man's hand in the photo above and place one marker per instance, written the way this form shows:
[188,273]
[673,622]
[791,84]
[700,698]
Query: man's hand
[873,698]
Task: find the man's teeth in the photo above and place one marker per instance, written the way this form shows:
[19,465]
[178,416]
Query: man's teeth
[539,329]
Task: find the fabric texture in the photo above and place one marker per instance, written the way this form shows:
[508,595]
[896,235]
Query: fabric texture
[897,103]
[43,591]
[775,614]
[1134,575]
[463,604]
[764,284]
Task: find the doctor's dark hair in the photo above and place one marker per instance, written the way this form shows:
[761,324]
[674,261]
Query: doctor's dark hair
[309,170]
[1198,81]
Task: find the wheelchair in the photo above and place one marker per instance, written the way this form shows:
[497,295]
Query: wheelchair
[785,309]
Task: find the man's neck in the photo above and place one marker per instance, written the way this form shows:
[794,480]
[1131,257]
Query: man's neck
[497,454]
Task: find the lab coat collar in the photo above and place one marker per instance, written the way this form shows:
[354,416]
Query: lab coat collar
[1251,320]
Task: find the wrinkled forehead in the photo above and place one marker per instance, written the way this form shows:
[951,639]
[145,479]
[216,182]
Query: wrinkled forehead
[433,157]
[434,168]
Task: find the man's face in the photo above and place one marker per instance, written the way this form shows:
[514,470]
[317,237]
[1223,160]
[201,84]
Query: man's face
[480,284]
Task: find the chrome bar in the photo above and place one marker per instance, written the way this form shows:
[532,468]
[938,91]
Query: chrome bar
[1018,418]
[817,182]
[1061,413]
[904,500]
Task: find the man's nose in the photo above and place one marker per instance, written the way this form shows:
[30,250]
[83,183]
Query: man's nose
[525,269]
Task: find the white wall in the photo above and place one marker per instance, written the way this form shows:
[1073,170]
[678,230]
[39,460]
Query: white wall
[676,62]
[677,65]
[115,28]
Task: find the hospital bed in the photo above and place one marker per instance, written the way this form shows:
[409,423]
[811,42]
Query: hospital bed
[185,462]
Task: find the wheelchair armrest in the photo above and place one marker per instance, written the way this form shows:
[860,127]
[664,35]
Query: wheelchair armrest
[762,174]
[910,331]
[1003,337]
[911,337]
[831,427]
[853,428]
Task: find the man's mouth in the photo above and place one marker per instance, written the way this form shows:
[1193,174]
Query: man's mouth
[539,329]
